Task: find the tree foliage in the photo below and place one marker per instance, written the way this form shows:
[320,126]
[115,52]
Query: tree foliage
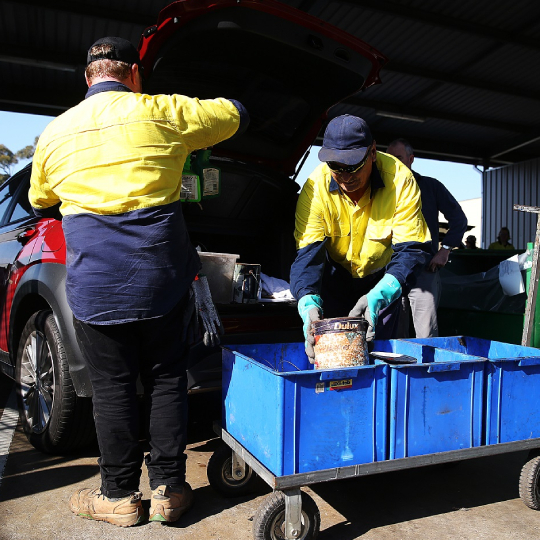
[9,159]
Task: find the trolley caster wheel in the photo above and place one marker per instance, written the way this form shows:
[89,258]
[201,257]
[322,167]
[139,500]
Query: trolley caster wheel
[221,477]
[529,489]
[269,522]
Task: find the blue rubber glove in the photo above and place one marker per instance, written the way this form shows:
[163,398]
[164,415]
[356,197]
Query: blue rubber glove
[310,309]
[382,295]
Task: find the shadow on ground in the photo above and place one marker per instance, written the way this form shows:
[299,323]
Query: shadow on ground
[396,497]
[29,471]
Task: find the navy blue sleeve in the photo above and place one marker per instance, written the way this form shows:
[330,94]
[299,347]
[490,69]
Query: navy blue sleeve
[452,211]
[51,212]
[408,260]
[244,117]
[307,270]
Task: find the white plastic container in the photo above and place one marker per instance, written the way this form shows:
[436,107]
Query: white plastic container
[219,270]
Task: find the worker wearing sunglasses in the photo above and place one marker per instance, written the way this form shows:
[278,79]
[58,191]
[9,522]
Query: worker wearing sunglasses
[360,233]
[347,169]
[354,179]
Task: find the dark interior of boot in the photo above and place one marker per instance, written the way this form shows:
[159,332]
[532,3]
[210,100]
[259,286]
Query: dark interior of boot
[285,75]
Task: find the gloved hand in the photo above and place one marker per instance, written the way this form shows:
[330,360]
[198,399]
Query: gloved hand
[361,309]
[382,295]
[310,309]
[207,311]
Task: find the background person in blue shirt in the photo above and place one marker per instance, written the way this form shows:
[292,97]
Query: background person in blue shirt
[423,299]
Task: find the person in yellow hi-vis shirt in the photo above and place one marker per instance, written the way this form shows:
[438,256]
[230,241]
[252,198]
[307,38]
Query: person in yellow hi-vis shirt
[112,168]
[360,233]
[502,240]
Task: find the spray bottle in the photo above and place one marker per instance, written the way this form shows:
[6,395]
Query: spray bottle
[210,175]
[191,184]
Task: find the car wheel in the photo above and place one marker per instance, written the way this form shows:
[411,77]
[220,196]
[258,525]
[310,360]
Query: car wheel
[53,418]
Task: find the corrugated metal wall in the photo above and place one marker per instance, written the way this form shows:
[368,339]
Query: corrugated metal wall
[502,188]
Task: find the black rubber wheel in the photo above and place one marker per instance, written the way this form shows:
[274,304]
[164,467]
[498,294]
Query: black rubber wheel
[269,522]
[529,490]
[53,418]
[220,475]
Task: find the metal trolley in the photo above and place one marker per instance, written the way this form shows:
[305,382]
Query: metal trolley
[270,431]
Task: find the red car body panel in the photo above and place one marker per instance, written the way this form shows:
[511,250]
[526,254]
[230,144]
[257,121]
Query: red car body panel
[46,244]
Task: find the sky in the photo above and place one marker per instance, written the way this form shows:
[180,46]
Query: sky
[20,130]
[463,181]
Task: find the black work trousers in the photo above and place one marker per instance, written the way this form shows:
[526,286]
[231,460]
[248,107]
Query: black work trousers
[340,292]
[116,355]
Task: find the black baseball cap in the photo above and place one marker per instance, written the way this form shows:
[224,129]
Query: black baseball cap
[346,140]
[122,50]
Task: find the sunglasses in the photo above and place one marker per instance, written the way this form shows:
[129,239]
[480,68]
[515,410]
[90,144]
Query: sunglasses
[350,169]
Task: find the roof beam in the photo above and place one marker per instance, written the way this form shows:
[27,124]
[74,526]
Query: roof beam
[18,96]
[38,58]
[451,23]
[515,144]
[426,113]
[57,62]
[34,62]
[461,80]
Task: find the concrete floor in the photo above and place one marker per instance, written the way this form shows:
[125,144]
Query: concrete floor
[472,500]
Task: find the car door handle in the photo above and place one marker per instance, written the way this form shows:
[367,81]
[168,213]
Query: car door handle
[25,235]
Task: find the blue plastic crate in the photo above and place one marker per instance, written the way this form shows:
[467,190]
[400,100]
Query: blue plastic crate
[512,387]
[436,405]
[294,419]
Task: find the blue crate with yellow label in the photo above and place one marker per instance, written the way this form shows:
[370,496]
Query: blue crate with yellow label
[294,419]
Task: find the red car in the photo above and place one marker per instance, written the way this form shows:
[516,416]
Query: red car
[287,68]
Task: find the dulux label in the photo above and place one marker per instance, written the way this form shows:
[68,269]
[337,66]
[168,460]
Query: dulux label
[346,326]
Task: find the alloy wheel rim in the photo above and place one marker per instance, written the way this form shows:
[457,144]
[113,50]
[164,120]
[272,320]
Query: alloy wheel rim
[37,382]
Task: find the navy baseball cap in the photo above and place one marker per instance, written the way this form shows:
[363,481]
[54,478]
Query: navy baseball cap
[122,50]
[346,140]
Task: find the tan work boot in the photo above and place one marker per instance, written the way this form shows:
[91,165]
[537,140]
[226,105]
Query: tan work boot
[92,504]
[167,505]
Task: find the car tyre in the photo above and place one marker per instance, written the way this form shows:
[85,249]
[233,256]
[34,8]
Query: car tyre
[53,418]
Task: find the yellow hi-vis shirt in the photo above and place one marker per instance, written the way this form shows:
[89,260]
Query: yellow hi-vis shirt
[82,158]
[360,237]
[115,163]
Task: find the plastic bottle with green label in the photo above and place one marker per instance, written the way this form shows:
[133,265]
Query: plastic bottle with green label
[209,174]
[191,184]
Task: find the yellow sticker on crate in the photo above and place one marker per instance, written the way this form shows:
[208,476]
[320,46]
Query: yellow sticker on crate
[340,385]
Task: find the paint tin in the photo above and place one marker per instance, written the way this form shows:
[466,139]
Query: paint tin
[340,342]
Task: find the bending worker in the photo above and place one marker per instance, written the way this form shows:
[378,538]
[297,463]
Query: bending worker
[423,299]
[360,233]
[113,167]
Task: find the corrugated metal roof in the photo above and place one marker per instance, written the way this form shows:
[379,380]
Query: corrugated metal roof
[462,82]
